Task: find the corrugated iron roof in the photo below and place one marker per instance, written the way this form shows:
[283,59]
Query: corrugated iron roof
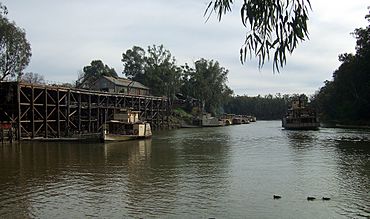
[126,82]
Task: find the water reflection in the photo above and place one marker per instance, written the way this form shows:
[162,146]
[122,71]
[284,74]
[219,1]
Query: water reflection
[335,163]
[354,171]
[34,174]
[186,169]
[191,173]
[136,152]
[300,140]
[126,178]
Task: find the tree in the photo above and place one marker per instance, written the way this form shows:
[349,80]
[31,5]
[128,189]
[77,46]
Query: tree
[346,99]
[134,63]
[277,25]
[15,51]
[3,9]
[93,72]
[161,72]
[155,68]
[362,36]
[206,82]
[33,78]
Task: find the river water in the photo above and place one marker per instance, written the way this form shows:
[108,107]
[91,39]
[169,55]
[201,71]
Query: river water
[223,172]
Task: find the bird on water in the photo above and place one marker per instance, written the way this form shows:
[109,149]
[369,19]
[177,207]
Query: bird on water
[277,197]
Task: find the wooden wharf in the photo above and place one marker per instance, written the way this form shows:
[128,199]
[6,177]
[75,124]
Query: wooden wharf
[46,111]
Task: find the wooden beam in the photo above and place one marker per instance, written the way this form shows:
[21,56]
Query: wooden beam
[79,112]
[19,131]
[58,113]
[46,112]
[68,108]
[32,112]
[89,110]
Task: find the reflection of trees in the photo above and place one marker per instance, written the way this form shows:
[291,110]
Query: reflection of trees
[202,158]
[300,140]
[354,175]
[335,162]
[182,166]
[205,162]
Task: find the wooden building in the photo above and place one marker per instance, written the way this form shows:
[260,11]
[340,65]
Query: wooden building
[120,85]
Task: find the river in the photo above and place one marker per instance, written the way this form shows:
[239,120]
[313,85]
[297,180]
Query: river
[223,172]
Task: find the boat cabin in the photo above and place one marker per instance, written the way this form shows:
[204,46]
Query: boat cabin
[127,116]
[126,126]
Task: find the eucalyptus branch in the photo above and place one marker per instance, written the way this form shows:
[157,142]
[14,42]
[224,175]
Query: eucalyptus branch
[273,26]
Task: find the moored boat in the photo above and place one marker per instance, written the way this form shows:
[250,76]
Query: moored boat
[126,126]
[120,131]
[210,121]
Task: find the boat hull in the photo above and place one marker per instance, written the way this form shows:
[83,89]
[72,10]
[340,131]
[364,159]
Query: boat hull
[115,137]
[121,131]
[300,125]
[85,138]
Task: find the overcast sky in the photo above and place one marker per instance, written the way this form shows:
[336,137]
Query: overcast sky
[67,35]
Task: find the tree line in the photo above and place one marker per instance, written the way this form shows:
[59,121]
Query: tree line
[268,107]
[346,98]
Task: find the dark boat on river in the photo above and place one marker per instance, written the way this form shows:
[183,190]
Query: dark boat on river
[300,117]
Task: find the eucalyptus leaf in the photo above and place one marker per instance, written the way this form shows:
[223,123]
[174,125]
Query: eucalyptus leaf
[282,22]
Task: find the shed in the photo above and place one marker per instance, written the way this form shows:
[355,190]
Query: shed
[120,85]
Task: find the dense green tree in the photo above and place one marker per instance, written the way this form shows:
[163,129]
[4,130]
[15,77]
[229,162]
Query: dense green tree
[155,68]
[94,71]
[15,51]
[271,25]
[162,74]
[134,63]
[206,82]
[346,99]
